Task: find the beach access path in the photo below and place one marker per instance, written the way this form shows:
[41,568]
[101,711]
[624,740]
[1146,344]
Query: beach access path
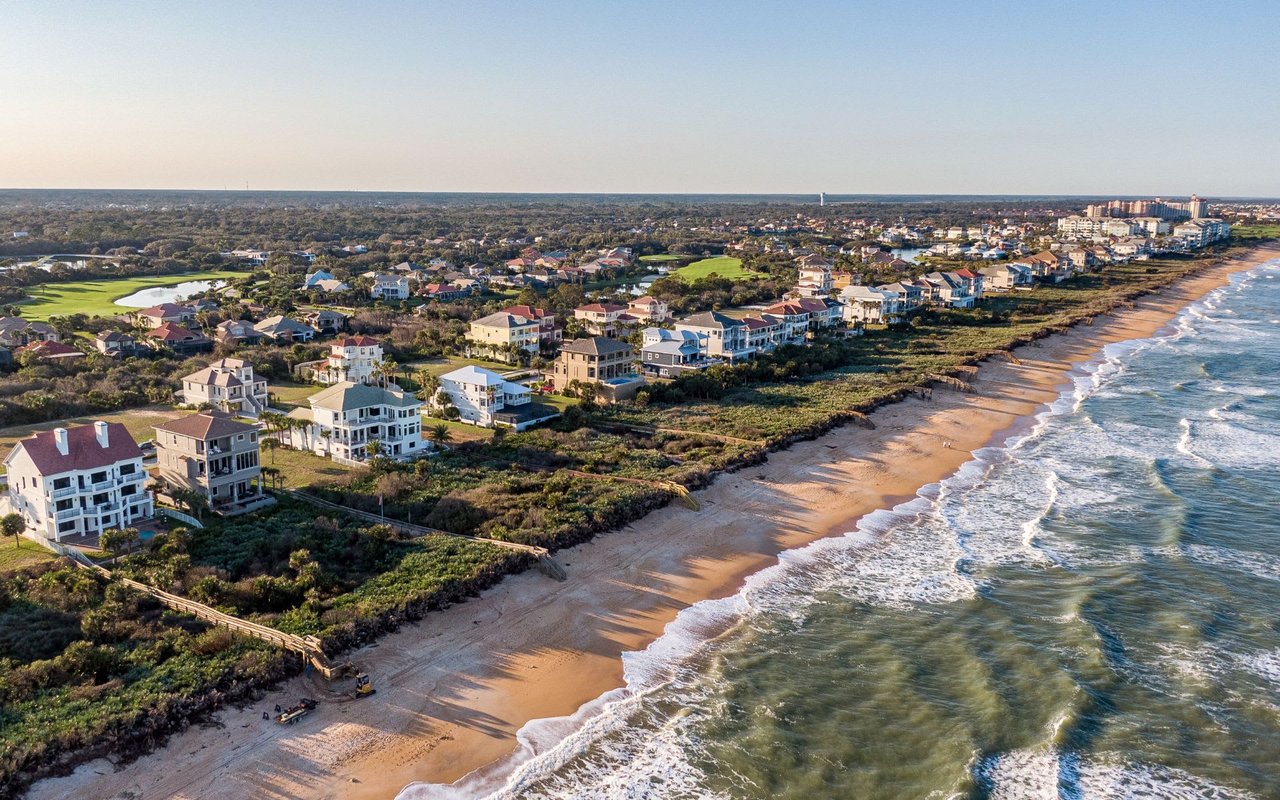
[454,689]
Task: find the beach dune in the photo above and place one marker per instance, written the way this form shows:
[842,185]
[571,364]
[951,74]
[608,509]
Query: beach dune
[454,689]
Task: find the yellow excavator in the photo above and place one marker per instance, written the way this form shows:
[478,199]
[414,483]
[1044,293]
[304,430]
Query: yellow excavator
[364,688]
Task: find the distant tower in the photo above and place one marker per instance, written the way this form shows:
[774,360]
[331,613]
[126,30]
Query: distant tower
[822,198]
[1198,207]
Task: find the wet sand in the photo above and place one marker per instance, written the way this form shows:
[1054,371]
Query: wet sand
[454,689]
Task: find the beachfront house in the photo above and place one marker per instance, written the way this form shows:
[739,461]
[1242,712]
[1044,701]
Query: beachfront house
[342,420]
[214,455]
[78,482]
[606,364]
[484,398]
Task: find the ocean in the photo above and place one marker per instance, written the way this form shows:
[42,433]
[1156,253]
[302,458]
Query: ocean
[1088,611]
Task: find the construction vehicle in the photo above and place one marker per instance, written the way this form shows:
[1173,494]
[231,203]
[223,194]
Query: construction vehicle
[294,713]
[363,687]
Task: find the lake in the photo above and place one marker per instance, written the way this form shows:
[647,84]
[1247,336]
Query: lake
[156,295]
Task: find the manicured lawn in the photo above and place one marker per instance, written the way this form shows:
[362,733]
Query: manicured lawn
[1255,231]
[97,297]
[439,366]
[24,554]
[723,266]
[139,422]
[291,395]
[458,431]
[662,259]
[299,469]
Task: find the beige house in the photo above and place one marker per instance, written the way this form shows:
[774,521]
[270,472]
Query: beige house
[493,333]
[227,384]
[604,362]
[216,455]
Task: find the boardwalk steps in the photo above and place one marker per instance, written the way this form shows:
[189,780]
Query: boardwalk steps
[306,646]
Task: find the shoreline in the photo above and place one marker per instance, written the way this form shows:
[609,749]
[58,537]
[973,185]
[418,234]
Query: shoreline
[456,687]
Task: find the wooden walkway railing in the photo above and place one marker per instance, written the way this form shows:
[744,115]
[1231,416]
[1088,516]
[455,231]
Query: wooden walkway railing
[542,554]
[306,646]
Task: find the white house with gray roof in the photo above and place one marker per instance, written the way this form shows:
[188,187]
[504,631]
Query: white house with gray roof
[344,418]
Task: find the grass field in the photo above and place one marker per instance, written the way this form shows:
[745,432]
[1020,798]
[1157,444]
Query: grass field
[291,395]
[723,266]
[439,366]
[299,468]
[139,422]
[97,298]
[24,554]
[662,259]
[1255,231]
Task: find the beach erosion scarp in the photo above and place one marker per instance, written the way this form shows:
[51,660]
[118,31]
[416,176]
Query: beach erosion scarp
[456,690]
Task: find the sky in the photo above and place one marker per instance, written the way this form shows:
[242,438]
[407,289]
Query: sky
[1028,97]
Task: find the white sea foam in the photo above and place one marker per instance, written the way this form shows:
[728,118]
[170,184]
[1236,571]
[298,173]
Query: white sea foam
[929,551]
[1043,773]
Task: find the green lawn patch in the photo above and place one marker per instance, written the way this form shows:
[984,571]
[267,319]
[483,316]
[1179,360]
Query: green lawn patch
[722,266]
[97,297]
[23,554]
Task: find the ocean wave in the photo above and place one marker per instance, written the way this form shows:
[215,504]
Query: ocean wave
[1001,507]
[1045,773]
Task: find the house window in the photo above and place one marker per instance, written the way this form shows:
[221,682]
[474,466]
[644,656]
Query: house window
[66,527]
[58,483]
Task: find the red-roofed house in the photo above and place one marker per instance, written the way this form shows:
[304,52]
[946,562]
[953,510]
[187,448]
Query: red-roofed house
[547,330]
[78,481]
[351,359]
[600,319]
[51,351]
[171,336]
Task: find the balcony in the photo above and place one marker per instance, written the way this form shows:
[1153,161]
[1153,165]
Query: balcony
[66,491]
[101,486]
[67,513]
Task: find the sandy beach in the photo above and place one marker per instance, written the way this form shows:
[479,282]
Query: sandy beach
[454,689]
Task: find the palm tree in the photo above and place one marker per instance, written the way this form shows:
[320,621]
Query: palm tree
[440,434]
[428,384]
[13,525]
[326,434]
[112,540]
[385,371]
[374,448]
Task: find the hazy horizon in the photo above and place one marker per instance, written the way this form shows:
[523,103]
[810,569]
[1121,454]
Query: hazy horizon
[997,98]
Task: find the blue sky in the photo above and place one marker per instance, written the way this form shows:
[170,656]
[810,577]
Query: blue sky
[961,97]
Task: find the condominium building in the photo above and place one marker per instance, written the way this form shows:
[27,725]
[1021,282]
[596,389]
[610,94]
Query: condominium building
[351,359]
[227,384]
[344,418]
[216,455]
[78,482]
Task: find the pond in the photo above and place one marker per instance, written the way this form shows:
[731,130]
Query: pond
[908,254]
[145,298]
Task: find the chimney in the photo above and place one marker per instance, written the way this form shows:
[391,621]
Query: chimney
[60,440]
[100,428]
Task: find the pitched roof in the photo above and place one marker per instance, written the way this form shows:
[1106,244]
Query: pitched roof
[173,332]
[711,319]
[210,376]
[207,425]
[601,308]
[357,341]
[596,346]
[346,396]
[475,375]
[165,310]
[528,312]
[83,449]
[51,349]
[501,319]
